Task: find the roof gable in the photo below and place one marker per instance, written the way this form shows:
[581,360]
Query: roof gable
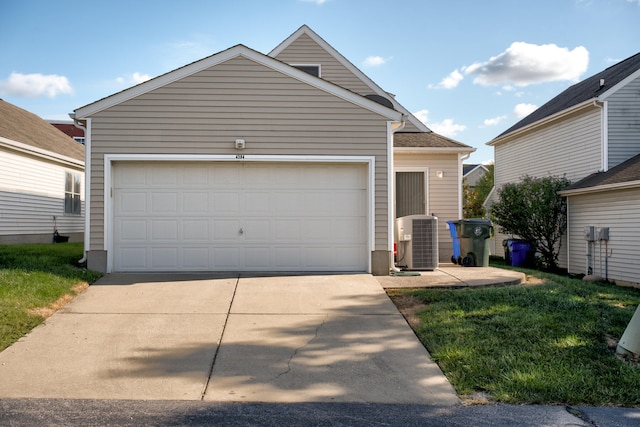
[305,31]
[613,77]
[25,128]
[224,56]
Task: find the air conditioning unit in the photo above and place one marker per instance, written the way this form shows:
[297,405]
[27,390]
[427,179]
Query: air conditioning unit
[416,239]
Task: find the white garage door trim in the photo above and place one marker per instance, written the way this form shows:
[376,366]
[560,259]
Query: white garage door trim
[109,205]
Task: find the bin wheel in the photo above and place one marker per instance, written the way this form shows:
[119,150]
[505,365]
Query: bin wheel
[453,259]
[459,260]
[467,261]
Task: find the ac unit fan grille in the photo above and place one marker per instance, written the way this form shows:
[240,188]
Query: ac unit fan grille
[423,253]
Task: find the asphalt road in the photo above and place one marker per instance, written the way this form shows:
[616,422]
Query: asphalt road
[62,412]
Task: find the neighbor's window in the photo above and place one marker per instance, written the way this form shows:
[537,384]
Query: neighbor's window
[72,204]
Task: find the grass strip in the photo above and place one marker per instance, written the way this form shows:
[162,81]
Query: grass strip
[547,343]
[33,278]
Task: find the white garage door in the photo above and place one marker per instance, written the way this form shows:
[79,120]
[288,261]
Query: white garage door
[228,216]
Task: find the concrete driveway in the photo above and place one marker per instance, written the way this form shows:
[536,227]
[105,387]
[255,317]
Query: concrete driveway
[333,338]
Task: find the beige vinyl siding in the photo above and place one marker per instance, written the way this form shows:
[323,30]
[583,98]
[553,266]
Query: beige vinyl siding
[617,210]
[570,147]
[31,193]
[204,114]
[624,123]
[305,50]
[443,194]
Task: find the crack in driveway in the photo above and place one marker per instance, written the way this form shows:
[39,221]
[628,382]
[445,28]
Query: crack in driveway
[295,352]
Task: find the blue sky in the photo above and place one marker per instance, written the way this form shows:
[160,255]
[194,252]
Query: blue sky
[468,68]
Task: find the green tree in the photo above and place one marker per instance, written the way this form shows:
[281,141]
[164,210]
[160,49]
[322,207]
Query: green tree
[474,197]
[485,183]
[533,210]
[472,207]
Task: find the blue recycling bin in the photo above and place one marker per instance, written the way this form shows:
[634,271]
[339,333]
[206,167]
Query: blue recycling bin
[518,253]
[455,258]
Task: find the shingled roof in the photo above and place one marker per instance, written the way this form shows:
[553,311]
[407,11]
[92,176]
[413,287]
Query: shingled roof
[628,171]
[425,140]
[580,92]
[21,126]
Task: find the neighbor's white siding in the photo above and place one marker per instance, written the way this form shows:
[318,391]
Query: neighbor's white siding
[620,211]
[31,194]
[624,123]
[443,194]
[205,112]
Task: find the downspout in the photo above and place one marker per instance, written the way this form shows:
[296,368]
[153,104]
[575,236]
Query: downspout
[395,127]
[87,171]
[461,160]
[604,133]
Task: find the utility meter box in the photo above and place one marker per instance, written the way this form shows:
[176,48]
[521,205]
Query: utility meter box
[590,233]
[603,233]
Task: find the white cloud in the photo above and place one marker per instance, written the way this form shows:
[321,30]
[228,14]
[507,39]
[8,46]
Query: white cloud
[133,79]
[523,64]
[447,127]
[523,110]
[314,1]
[422,115]
[375,61]
[36,85]
[494,121]
[451,81]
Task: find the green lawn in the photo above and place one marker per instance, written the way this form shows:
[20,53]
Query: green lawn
[545,343]
[35,277]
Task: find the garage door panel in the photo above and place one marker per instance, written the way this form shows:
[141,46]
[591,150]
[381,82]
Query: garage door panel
[225,203]
[164,230]
[131,230]
[227,231]
[131,203]
[196,203]
[164,258]
[196,258]
[164,203]
[235,216]
[195,230]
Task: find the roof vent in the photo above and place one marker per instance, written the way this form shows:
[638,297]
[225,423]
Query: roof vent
[601,83]
[380,100]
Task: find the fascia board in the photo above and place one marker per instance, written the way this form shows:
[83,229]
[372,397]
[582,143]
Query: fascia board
[601,188]
[39,152]
[226,55]
[345,62]
[620,85]
[541,122]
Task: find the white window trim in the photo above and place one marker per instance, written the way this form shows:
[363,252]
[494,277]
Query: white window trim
[108,177]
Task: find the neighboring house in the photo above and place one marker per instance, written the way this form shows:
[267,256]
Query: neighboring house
[41,180]
[70,128]
[250,162]
[471,174]
[591,134]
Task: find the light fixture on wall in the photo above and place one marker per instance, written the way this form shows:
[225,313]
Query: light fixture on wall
[240,144]
[440,174]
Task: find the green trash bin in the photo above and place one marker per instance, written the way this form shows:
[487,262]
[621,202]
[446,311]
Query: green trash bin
[474,234]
